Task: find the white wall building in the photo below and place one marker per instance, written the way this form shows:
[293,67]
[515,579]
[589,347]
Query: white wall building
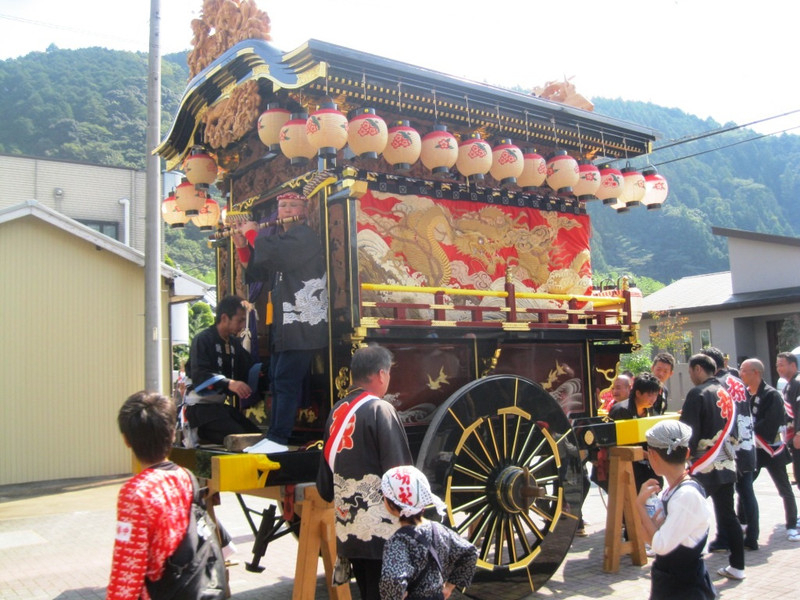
[739,311]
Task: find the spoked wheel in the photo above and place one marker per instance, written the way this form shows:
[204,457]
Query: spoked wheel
[502,455]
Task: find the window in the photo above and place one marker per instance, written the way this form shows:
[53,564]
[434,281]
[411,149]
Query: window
[705,338]
[109,228]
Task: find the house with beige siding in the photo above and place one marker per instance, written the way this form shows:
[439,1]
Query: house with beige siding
[73,343]
[739,311]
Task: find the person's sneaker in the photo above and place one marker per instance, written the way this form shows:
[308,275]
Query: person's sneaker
[731,573]
[649,551]
[266,446]
[581,532]
[793,535]
[715,546]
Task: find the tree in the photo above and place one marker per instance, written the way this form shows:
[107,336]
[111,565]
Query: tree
[789,334]
[200,317]
[669,332]
[637,362]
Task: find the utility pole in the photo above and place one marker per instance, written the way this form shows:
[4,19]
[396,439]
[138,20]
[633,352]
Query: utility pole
[153,355]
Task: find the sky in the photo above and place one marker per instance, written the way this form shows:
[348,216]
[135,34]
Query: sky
[733,61]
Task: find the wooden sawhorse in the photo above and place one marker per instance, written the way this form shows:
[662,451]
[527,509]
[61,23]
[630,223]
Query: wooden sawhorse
[622,501]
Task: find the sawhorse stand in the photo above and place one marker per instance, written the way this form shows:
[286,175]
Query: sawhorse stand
[317,535]
[622,501]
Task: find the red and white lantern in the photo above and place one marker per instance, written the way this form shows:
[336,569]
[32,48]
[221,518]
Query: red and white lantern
[403,146]
[367,133]
[474,156]
[656,188]
[208,217]
[610,184]
[172,215]
[294,141]
[269,126]
[439,150]
[326,129]
[534,170]
[188,198]
[507,163]
[562,172]
[200,168]
[588,181]
[632,187]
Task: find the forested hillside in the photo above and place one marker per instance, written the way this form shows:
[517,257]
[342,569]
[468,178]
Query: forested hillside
[90,105]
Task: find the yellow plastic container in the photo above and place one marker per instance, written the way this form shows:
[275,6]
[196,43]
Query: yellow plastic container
[631,431]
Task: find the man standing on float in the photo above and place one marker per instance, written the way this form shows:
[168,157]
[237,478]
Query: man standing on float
[294,262]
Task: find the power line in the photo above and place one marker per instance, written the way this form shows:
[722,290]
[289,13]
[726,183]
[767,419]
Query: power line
[104,35]
[666,162]
[700,136]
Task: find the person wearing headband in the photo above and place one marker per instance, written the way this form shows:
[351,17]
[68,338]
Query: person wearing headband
[423,559]
[677,533]
[294,262]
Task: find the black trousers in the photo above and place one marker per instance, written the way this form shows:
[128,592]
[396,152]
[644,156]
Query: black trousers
[776,467]
[367,572]
[722,497]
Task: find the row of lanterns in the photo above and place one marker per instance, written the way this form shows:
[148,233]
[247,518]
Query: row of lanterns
[301,137]
[191,200]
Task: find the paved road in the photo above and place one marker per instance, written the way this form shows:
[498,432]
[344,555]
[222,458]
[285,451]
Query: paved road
[56,541]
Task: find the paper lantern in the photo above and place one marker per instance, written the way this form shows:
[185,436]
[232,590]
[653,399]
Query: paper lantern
[208,217]
[534,170]
[294,141]
[610,184]
[588,181]
[367,133]
[474,156]
[269,126]
[656,188]
[172,215]
[326,129]
[507,163]
[632,187]
[403,146]
[439,150]
[188,198]
[200,168]
[562,172]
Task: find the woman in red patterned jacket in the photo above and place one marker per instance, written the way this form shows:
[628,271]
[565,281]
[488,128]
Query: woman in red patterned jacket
[153,506]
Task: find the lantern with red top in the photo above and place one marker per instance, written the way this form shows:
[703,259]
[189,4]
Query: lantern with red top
[208,217]
[632,187]
[588,181]
[474,156]
[439,150]
[403,146]
[367,133]
[610,184]
[562,172]
[534,170]
[294,141]
[189,199]
[269,126]
[507,163]
[656,188]
[200,168]
[326,129]
[172,215]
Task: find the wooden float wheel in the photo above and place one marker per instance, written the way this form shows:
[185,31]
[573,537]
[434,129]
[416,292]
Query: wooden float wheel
[502,455]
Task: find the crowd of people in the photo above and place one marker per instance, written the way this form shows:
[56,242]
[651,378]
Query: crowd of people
[732,425]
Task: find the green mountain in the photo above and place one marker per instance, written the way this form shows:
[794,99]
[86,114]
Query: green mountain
[90,105]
